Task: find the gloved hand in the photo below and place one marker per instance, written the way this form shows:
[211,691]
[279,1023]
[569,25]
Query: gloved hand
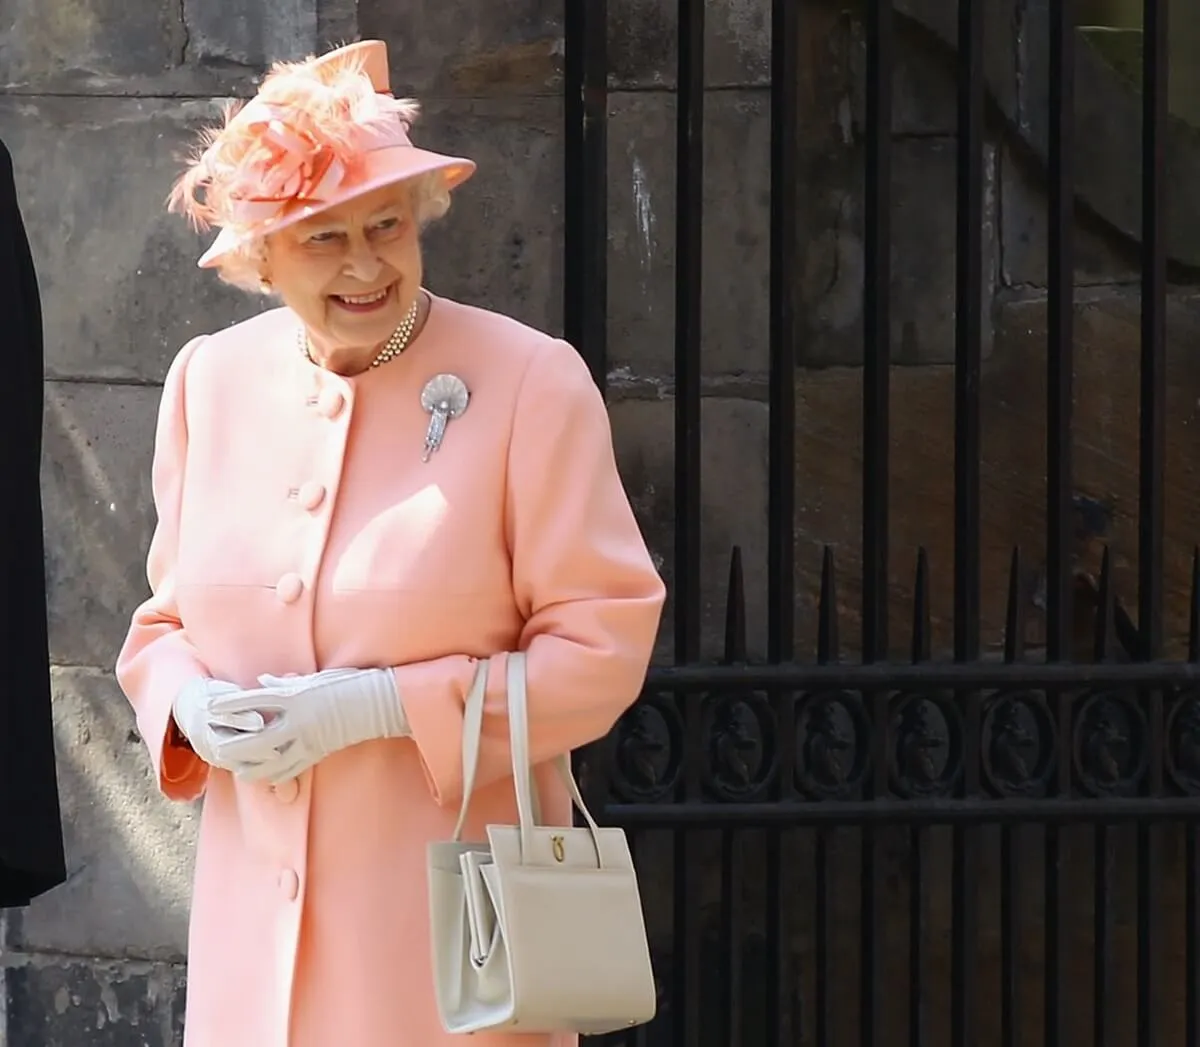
[210,733]
[307,718]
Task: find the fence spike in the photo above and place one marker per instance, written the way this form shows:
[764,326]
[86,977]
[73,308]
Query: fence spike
[827,612]
[735,610]
[1104,610]
[920,623]
[1014,614]
[1194,621]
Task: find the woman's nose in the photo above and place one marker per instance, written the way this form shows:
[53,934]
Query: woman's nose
[363,264]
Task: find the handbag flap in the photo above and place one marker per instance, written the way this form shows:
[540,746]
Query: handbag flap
[554,847]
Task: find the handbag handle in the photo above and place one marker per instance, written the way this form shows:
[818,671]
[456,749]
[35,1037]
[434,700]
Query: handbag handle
[518,740]
[471,735]
[528,807]
[472,728]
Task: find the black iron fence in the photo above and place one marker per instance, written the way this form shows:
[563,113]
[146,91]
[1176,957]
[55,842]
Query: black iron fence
[969,850]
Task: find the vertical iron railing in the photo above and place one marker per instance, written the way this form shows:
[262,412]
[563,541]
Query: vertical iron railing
[968,324]
[687,599]
[877,275]
[1060,363]
[781,472]
[585,197]
[773,858]
[1151,454]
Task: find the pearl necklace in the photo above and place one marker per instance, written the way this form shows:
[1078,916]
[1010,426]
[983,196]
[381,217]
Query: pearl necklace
[393,347]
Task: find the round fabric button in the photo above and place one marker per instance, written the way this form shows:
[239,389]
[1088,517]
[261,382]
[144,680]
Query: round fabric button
[286,792]
[289,588]
[289,884]
[330,403]
[311,495]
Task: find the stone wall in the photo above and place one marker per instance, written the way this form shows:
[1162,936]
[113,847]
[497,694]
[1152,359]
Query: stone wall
[99,97]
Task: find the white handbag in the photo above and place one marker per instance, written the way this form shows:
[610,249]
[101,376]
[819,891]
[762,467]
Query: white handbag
[540,929]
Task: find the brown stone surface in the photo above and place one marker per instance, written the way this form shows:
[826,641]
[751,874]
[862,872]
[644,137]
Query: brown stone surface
[828,481]
[1012,476]
[643,43]
[642,269]
[1005,38]
[1101,257]
[832,254]
[733,502]
[506,49]
[893,865]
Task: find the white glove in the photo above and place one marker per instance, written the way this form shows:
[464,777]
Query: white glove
[307,718]
[210,733]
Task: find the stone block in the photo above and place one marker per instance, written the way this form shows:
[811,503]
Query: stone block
[643,43]
[1107,135]
[515,48]
[337,23]
[922,259]
[828,453]
[125,843]
[1006,36]
[99,514]
[501,244]
[924,100]
[53,39]
[121,292]
[735,255]
[248,32]
[733,503]
[1101,257]
[95,1003]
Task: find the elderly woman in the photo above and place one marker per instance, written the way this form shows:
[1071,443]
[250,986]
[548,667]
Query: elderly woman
[360,494]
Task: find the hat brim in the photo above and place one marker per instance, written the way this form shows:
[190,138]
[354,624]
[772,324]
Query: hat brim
[382,167]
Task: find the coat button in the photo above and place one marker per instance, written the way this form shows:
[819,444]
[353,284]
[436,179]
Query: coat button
[289,588]
[289,884]
[286,792]
[330,403]
[311,495]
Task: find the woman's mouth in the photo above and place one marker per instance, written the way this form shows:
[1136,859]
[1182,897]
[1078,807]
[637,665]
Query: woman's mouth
[363,303]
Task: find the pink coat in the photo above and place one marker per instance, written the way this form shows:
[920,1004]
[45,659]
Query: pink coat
[299,530]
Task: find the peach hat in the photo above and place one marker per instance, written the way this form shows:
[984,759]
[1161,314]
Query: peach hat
[317,134]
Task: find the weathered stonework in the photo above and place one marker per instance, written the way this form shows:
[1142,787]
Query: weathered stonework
[249,33]
[130,850]
[119,282]
[502,50]
[63,1002]
[641,174]
[500,245]
[44,41]
[99,514]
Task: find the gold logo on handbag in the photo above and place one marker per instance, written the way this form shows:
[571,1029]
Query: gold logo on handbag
[560,851]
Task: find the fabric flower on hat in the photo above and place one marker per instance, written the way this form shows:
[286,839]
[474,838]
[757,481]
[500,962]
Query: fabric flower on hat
[294,143]
[286,165]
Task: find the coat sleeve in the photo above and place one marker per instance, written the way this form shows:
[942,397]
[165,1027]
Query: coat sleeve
[157,657]
[583,578]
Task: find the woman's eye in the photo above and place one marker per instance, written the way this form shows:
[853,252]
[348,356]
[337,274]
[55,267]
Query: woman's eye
[322,238]
[387,225]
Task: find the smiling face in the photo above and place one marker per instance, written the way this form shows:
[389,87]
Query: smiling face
[350,273]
